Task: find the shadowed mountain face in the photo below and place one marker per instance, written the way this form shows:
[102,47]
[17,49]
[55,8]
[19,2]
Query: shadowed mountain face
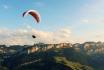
[52,59]
[86,56]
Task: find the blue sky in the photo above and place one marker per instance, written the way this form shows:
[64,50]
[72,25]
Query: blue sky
[83,18]
[54,13]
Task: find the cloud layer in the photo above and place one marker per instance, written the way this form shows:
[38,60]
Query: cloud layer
[24,36]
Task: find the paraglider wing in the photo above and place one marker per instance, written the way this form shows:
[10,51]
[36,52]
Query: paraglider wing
[33,13]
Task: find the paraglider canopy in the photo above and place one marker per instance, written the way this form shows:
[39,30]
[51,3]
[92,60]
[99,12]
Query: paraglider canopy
[33,13]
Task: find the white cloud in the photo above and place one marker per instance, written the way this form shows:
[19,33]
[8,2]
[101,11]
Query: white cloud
[5,6]
[93,21]
[40,4]
[62,35]
[24,36]
[84,20]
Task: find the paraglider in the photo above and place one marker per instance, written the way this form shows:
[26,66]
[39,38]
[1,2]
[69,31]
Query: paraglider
[34,14]
[33,36]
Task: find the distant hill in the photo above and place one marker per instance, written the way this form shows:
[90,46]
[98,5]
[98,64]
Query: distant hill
[52,59]
[85,56]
